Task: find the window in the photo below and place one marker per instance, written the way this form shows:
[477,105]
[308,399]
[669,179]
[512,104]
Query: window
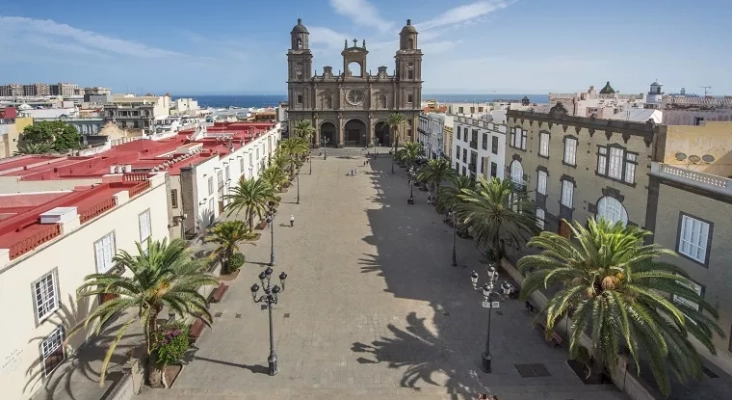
[494,144]
[544,144]
[52,350]
[174,198]
[616,163]
[699,289]
[512,137]
[464,173]
[698,121]
[494,170]
[517,172]
[409,98]
[480,109]
[251,159]
[458,133]
[570,151]
[227,173]
[104,250]
[45,291]
[465,155]
[241,166]
[518,138]
[145,228]
[211,206]
[541,183]
[612,210]
[460,110]
[693,238]
[299,99]
[540,215]
[457,153]
[410,74]
[210,185]
[484,145]
[567,193]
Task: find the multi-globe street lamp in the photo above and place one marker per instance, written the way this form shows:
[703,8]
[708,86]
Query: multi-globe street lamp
[269,298]
[453,218]
[324,143]
[270,221]
[488,294]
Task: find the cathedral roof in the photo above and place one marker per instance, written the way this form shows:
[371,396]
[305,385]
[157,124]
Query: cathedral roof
[299,28]
[409,28]
[607,89]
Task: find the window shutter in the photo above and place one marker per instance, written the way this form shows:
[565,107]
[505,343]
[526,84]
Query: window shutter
[99,250]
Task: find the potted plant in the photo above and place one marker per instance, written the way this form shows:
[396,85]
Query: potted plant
[171,344]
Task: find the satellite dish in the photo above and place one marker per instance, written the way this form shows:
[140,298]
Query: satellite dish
[680,156]
[694,159]
[708,158]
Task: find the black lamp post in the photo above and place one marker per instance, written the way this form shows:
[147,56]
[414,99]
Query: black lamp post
[270,221]
[310,161]
[453,218]
[269,298]
[298,187]
[488,303]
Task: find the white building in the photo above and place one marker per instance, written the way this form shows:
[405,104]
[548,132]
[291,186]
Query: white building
[185,106]
[479,148]
[468,109]
[206,182]
[431,134]
[49,242]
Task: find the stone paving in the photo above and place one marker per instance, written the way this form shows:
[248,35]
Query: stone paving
[372,308]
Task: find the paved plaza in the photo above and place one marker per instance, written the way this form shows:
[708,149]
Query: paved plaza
[372,308]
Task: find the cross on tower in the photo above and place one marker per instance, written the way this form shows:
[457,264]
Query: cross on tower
[355,42]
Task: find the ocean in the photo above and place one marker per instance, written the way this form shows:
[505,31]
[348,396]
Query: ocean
[220,101]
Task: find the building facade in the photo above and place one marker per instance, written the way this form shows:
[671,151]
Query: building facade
[431,130]
[479,148]
[576,167]
[693,210]
[351,108]
[38,277]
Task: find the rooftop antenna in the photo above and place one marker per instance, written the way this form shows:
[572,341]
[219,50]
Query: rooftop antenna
[706,89]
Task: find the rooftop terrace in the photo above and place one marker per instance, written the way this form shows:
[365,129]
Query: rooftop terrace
[24,230]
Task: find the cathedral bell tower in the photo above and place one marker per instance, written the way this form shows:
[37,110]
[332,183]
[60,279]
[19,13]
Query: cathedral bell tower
[299,57]
[409,56]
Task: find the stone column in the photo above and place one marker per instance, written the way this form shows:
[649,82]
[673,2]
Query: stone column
[341,127]
[316,125]
[370,134]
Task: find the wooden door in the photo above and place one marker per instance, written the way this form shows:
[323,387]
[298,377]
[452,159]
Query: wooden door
[564,229]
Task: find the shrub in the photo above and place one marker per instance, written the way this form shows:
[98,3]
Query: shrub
[236,261]
[171,343]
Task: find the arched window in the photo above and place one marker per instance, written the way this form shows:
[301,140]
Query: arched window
[299,44]
[517,172]
[411,43]
[612,210]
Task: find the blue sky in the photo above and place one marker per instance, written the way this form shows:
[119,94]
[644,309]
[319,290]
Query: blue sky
[491,46]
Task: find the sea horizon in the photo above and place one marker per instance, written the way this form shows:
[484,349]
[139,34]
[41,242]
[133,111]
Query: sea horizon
[273,100]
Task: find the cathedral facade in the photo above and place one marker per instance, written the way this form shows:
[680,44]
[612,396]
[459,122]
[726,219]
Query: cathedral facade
[351,107]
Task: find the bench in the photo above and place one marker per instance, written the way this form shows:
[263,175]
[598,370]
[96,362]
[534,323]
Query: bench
[195,330]
[218,293]
[555,340]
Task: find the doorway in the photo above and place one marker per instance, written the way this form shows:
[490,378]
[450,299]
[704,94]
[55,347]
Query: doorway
[328,132]
[381,132]
[355,133]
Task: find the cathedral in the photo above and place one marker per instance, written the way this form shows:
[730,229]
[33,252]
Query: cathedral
[351,107]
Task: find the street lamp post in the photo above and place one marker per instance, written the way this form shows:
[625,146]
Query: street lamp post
[270,221]
[269,298]
[310,161]
[488,293]
[453,218]
[324,143]
[298,187]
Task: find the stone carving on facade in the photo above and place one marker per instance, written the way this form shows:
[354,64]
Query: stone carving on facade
[558,111]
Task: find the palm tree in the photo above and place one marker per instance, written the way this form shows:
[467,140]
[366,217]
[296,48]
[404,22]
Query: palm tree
[448,196]
[33,148]
[436,172]
[395,121]
[253,196]
[497,216]
[293,148]
[280,160]
[412,150]
[163,275]
[227,236]
[305,130]
[275,177]
[612,286]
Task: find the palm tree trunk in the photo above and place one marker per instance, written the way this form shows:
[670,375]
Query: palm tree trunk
[155,371]
[250,217]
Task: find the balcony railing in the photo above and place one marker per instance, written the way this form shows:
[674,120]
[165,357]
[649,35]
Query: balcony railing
[139,188]
[96,209]
[37,239]
[702,180]
[474,144]
[519,186]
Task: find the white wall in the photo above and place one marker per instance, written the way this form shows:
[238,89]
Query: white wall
[485,156]
[73,256]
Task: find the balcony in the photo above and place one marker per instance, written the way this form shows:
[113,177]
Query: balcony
[518,186]
[474,144]
[701,180]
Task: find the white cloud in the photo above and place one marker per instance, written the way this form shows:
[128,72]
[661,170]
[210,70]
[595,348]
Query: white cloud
[361,12]
[327,37]
[465,14]
[68,38]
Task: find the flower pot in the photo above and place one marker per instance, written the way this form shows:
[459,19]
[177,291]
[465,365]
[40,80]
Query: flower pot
[170,374]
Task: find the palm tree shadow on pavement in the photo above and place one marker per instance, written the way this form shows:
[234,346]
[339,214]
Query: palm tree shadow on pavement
[81,367]
[425,357]
[370,263]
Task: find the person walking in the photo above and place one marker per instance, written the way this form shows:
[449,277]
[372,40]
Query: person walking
[292,221]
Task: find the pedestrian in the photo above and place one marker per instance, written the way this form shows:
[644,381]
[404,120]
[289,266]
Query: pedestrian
[292,221]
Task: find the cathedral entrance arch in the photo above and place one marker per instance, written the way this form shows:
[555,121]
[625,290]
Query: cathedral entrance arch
[381,133]
[356,133]
[328,132]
